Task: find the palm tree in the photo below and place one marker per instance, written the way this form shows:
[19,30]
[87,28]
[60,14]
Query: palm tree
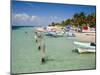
[91,19]
[75,18]
[53,24]
[82,17]
[63,23]
[68,21]
[79,19]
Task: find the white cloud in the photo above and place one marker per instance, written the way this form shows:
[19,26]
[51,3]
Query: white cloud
[56,19]
[33,18]
[23,19]
[21,16]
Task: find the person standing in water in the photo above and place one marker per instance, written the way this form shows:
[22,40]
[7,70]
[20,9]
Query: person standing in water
[39,36]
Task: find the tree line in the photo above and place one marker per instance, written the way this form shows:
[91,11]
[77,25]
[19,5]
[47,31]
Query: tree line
[78,19]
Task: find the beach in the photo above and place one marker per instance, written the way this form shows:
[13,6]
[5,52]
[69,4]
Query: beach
[86,37]
[50,37]
[59,53]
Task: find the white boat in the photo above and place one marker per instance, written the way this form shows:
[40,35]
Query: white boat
[84,47]
[85,50]
[70,34]
[55,34]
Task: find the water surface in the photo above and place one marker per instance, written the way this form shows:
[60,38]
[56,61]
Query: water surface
[59,53]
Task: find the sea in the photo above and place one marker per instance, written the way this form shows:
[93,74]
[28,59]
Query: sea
[26,58]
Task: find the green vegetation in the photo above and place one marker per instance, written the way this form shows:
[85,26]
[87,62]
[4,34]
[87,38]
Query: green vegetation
[80,19]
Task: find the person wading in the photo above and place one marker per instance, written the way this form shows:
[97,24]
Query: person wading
[39,37]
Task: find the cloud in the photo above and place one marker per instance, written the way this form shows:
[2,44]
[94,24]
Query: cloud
[56,19]
[33,20]
[23,19]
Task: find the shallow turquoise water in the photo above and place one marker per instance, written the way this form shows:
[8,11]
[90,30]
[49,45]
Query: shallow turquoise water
[59,54]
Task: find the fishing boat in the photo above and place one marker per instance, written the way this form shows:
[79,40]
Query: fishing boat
[84,47]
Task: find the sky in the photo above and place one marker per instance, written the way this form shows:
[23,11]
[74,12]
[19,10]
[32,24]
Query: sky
[43,14]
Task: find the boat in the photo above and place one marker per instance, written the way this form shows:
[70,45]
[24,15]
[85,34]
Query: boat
[85,50]
[70,34]
[84,47]
[55,34]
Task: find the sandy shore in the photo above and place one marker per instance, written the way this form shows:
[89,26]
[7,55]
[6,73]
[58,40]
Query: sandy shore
[86,37]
